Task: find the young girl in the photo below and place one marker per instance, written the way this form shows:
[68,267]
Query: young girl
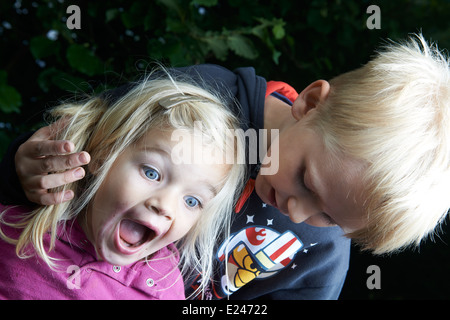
[141,194]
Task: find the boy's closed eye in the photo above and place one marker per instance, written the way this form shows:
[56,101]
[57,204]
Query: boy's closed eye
[302,183]
[305,184]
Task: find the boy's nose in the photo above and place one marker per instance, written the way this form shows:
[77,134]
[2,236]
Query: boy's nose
[299,211]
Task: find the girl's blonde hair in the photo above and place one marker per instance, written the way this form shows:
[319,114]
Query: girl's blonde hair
[393,114]
[105,129]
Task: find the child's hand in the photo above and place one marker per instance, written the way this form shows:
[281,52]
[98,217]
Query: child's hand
[38,157]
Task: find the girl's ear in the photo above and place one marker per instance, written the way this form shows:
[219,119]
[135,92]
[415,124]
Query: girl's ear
[310,97]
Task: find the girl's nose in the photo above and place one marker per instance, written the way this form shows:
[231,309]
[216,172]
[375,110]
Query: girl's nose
[161,205]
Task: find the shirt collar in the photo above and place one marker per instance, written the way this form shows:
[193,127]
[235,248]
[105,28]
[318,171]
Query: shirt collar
[73,234]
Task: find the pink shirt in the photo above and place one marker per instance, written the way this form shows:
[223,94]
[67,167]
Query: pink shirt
[81,276]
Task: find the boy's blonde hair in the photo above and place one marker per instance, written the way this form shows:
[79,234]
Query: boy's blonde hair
[106,129]
[393,114]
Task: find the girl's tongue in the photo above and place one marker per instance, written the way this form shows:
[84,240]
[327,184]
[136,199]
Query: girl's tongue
[132,232]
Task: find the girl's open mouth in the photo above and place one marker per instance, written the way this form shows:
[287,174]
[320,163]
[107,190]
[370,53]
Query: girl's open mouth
[132,235]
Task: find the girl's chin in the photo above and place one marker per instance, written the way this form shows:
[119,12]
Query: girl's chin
[116,259]
[113,256]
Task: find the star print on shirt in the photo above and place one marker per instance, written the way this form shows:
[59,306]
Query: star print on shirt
[271,222]
[310,245]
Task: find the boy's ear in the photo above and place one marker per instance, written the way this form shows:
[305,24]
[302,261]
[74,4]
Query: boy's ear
[310,97]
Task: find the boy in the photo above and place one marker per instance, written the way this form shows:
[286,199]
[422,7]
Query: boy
[368,152]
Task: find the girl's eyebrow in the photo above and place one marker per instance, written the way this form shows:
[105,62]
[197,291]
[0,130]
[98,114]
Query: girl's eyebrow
[158,149]
[210,187]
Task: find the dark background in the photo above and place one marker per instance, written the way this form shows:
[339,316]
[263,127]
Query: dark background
[42,62]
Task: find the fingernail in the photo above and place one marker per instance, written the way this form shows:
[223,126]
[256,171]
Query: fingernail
[83,158]
[67,147]
[79,173]
[68,195]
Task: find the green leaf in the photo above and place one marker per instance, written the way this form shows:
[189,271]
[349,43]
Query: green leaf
[84,60]
[278,31]
[206,3]
[41,47]
[175,25]
[134,16]
[177,54]
[10,98]
[171,5]
[54,77]
[276,56]
[242,46]
[218,46]
[111,14]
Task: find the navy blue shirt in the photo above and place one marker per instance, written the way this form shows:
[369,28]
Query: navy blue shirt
[314,265]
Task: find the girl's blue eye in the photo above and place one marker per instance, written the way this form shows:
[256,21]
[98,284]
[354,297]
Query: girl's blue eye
[151,173]
[191,201]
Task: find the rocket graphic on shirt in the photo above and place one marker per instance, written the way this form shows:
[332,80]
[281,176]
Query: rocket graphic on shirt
[255,252]
[258,249]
